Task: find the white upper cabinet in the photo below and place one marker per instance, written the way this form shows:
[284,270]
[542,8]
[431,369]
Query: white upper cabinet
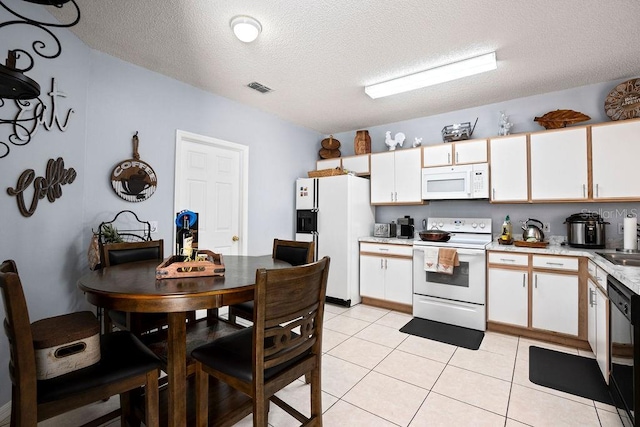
[358,164]
[396,177]
[328,163]
[383,178]
[466,152]
[462,152]
[408,176]
[615,151]
[559,165]
[437,155]
[508,166]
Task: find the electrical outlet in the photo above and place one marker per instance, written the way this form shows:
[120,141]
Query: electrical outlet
[154,226]
[546,227]
[620,228]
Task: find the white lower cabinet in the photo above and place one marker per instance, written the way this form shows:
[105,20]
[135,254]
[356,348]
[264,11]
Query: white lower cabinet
[386,272]
[554,304]
[534,291]
[598,322]
[508,296]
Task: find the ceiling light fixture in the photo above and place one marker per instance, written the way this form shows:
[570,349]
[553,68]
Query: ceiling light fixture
[433,76]
[246,28]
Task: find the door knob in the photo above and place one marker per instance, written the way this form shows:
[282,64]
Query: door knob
[235,238]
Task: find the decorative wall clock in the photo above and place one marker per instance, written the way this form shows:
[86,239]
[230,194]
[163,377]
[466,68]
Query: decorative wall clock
[623,102]
[132,179]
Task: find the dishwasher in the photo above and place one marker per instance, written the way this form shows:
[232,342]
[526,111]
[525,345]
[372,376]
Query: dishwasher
[624,381]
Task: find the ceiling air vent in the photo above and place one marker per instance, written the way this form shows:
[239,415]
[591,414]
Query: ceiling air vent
[259,87]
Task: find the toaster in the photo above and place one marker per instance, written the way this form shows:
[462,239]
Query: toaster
[384,230]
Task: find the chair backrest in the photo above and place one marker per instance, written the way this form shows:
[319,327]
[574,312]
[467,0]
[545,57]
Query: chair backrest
[285,300]
[121,253]
[17,326]
[295,253]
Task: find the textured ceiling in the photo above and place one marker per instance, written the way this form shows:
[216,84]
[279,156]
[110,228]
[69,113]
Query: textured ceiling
[318,55]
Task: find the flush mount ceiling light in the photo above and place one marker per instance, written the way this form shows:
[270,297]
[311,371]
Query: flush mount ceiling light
[246,28]
[433,76]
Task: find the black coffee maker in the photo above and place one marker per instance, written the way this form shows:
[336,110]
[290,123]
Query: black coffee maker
[405,228]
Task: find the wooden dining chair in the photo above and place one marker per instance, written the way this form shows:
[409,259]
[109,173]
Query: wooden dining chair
[284,343]
[295,253]
[125,365]
[126,252]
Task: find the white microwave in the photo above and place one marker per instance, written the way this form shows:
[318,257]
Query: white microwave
[456,182]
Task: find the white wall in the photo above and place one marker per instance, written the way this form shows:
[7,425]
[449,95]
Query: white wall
[112,100]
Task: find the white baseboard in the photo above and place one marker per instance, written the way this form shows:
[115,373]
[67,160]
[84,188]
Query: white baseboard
[5,414]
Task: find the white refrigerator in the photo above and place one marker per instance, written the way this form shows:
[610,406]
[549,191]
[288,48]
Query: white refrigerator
[334,212]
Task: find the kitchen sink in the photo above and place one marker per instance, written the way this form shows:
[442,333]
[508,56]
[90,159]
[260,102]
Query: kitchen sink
[628,260]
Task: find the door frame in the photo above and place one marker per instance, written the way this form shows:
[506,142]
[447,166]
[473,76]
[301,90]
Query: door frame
[243,150]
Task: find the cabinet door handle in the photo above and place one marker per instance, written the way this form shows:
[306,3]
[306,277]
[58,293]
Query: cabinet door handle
[381,263]
[597,190]
[507,260]
[385,264]
[392,196]
[536,282]
[524,278]
[555,263]
[456,157]
[494,193]
[448,157]
[584,190]
[591,297]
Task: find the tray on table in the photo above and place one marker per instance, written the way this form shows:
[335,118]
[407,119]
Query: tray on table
[174,267]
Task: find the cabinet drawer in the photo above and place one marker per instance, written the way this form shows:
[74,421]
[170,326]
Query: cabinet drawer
[555,262]
[507,258]
[397,250]
[598,275]
[592,269]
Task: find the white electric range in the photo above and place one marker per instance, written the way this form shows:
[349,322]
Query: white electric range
[459,298]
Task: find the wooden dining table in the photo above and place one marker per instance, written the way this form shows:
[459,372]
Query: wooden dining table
[133,287]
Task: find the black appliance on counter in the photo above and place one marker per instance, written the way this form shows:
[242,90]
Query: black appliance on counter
[406,228]
[624,331]
[586,230]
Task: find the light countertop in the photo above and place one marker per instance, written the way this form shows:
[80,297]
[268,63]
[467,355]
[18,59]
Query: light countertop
[629,276]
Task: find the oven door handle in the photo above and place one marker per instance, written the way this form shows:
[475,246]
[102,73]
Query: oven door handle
[471,252]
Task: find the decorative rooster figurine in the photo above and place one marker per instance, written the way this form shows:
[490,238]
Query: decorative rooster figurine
[397,140]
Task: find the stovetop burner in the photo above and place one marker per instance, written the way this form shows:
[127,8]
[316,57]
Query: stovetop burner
[472,233]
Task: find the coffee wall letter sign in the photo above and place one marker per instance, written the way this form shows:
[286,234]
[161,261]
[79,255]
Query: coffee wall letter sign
[49,185]
[134,180]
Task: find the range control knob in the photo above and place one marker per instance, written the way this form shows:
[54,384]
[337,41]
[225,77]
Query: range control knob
[433,224]
[441,224]
[474,225]
[482,225]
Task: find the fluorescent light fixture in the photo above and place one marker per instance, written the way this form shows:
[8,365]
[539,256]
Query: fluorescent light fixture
[434,76]
[246,28]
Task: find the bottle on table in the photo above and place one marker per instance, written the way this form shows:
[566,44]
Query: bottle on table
[185,240]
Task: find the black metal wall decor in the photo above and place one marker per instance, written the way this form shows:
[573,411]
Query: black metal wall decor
[134,180]
[49,186]
[14,84]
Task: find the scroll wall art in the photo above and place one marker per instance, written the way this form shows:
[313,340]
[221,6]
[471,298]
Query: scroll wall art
[49,185]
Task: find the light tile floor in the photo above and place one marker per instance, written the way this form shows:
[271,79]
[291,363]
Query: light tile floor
[374,375]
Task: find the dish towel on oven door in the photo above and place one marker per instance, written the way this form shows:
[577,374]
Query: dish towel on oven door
[447,260]
[431,259]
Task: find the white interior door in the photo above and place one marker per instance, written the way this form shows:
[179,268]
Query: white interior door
[212,179]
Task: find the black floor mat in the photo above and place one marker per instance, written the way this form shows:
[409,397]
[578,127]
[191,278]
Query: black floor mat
[569,373]
[443,332]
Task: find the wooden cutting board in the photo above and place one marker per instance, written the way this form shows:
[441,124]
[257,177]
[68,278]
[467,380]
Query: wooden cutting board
[524,244]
